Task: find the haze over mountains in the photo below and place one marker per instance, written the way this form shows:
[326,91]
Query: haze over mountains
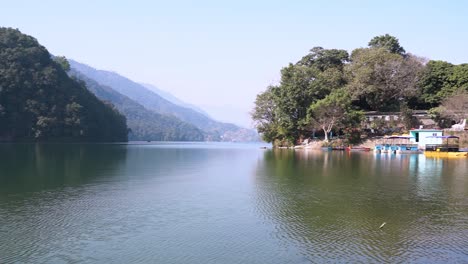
[144,124]
[171,98]
[175,119]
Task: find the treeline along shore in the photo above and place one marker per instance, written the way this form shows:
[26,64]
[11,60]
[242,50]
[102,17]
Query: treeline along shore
[329,91]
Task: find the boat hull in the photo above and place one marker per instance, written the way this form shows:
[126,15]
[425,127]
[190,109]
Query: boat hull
[443,154]
[409,152]
[357,149]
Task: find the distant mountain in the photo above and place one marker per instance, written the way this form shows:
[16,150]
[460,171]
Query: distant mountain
[144,124]
[40,102]
[171,98]
[214,130]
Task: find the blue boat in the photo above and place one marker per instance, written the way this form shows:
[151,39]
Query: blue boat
[399,145]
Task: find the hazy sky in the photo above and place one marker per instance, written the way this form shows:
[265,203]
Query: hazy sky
[220,54]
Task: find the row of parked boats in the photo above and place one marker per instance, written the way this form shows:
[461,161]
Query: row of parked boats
[404,145]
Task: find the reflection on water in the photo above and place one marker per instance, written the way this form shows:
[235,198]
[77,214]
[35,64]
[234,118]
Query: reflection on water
[32,167]
[331,204]
[227,203]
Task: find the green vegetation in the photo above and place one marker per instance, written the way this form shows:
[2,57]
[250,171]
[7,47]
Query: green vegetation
[39,102]
[328,90]
[144,124]
[175,122]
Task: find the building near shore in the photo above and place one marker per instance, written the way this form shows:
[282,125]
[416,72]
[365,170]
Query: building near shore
[420,137]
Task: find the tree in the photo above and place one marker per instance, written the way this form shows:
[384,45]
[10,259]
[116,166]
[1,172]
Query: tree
[459,78]
[380,80]
[334,111]
[311,79]
[440,80]
[63,62]
[408,120]
[265,116]
[434,77]
[40,102]
[324,59]
[455,107]
[387,42]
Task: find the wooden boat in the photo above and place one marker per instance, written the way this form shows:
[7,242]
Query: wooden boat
[355,149]
[445,150]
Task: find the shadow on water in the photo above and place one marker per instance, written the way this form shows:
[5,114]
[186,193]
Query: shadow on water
[35,167]
[331,204]
[26,169]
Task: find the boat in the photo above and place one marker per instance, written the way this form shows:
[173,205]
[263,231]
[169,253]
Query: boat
[355,149]
[405,148]
[339,148]
[446,150]
[399,147]
[383,148]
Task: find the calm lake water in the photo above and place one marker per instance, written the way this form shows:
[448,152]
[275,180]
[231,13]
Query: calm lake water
[228,203]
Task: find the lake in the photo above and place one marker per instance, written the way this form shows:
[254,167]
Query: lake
[228,203]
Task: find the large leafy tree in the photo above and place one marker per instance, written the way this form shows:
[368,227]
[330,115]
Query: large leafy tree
[380,79]
[334,112]
[265,115]
[310,79]
[435,80]
[387,42]
[441,80]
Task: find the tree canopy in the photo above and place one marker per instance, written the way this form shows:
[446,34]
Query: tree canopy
[387,42]
[380,79]
[327,89]
[39,102]
[281,111]
[334,111]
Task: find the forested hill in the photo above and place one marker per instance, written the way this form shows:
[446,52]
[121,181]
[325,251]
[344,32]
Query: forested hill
[216,131]
[143,123]
[40,102]
[330,89]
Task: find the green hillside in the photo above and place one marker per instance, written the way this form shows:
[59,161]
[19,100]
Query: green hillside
[40,102]
[144,124]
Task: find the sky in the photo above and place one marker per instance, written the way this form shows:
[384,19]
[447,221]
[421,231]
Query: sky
[219,55]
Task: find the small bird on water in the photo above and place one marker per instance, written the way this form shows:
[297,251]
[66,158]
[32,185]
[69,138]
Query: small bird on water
[382,225]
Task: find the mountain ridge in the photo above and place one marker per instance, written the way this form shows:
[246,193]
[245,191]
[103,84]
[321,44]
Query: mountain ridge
[215,130]
[173,99]
[144,124]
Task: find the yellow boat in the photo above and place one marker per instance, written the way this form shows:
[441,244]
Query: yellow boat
[444,150]
[442,154]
